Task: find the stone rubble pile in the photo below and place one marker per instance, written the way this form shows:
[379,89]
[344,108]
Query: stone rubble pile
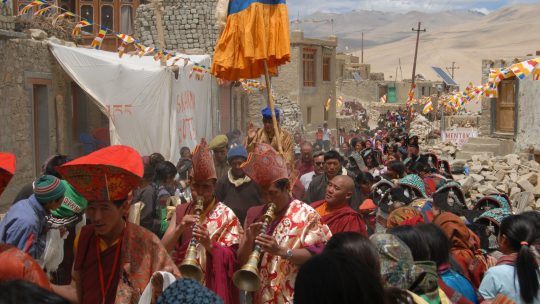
[291,115]
[424,128]
[445,150]
[517,177]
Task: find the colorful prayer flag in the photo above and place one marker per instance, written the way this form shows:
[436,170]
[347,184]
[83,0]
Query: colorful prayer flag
[32,4]
[383,99]
[77,29]
[428,107]
[62,16]
[536,74]
[42,11]
[96,43]
[523,69]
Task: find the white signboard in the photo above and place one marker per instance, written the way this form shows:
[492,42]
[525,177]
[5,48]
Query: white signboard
[459,136]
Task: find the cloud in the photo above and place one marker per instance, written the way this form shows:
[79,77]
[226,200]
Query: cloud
[306,7]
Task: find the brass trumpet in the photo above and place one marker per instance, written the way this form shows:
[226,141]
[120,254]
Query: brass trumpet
[189,267]
[247,278]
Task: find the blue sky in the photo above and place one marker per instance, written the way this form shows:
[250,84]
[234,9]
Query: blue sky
[306,7]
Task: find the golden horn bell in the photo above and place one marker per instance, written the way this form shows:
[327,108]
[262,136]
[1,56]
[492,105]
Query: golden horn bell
[247,278]
[189,267]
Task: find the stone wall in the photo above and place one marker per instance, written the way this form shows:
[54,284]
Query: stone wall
[25,62]
[528,124]
[189,25]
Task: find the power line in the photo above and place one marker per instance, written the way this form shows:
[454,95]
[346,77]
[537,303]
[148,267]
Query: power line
[453,67]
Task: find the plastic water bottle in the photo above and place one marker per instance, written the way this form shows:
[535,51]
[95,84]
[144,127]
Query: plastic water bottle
[466,169]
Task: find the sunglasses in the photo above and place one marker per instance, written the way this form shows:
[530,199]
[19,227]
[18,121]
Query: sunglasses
[319,163]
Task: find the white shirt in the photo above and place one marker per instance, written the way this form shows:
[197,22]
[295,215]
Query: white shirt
[326,134]
[306,179]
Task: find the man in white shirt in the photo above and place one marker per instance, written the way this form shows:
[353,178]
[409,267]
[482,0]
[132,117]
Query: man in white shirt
[327,136]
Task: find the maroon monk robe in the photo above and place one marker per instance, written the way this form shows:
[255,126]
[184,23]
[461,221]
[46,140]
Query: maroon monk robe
[220,264]
[343,219]
[86,263]
[304,167]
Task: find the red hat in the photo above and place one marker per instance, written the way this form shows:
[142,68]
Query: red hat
[203,163]
[7,169]
[265,166]
[108,174]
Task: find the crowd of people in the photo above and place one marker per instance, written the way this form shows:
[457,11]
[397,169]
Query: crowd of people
[375,221]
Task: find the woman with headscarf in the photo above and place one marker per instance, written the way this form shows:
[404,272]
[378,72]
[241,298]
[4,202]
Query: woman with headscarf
[465,246]
[398,269]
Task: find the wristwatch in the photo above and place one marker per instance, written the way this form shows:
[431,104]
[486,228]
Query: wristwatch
[288,254]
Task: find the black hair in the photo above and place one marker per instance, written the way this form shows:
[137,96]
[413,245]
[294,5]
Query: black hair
[164,171]
[149,173]
[519,232]
[337,278]
[49,168]
[534,217]
[398,167]
[318,153]
[436,240]
[420,167]
[156,158]
[364,178]
[414,240]
[333,154]
[440,201]
[354,141]
[184,149]
[20,291]
[282,184]
[119,203]
[357,246]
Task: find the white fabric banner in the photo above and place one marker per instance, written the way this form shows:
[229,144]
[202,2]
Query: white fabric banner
[145,104]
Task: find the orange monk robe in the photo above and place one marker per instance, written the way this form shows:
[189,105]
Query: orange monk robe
[342,219]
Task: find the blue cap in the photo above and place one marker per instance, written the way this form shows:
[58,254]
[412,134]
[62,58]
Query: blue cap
[237,151]
[266,113]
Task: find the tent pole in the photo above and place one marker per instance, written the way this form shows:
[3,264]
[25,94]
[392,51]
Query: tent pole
[271,106]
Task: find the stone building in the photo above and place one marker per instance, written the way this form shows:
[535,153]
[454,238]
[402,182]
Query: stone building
[513,115]
[310,79]
[43,112]
[189,25]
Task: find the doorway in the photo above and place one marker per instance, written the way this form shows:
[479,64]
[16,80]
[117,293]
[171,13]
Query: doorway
[505,110]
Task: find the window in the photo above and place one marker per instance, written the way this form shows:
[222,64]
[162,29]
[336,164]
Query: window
[126,19]
[116,15]
[308,57]
[309,115]
[326,68]
[423,91]
[107,17]
[87,12]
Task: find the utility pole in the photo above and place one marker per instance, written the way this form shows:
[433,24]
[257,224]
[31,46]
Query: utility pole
[418,30]
[362,47]
[454,67]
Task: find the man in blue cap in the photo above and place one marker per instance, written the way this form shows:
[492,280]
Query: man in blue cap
[267,135]
[235,189]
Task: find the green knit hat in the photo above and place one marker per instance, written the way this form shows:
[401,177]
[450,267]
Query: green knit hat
[48,188]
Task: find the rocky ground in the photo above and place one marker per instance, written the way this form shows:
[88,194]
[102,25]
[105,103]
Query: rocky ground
[517,177]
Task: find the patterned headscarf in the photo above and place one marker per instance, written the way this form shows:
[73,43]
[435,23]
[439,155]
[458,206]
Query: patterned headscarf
[188,291]
[414,181]
[397,265]
[498,199]
[399,215]
[494,217]
[458,233]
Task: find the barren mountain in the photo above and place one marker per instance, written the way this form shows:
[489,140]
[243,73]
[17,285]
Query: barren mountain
[465,37]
